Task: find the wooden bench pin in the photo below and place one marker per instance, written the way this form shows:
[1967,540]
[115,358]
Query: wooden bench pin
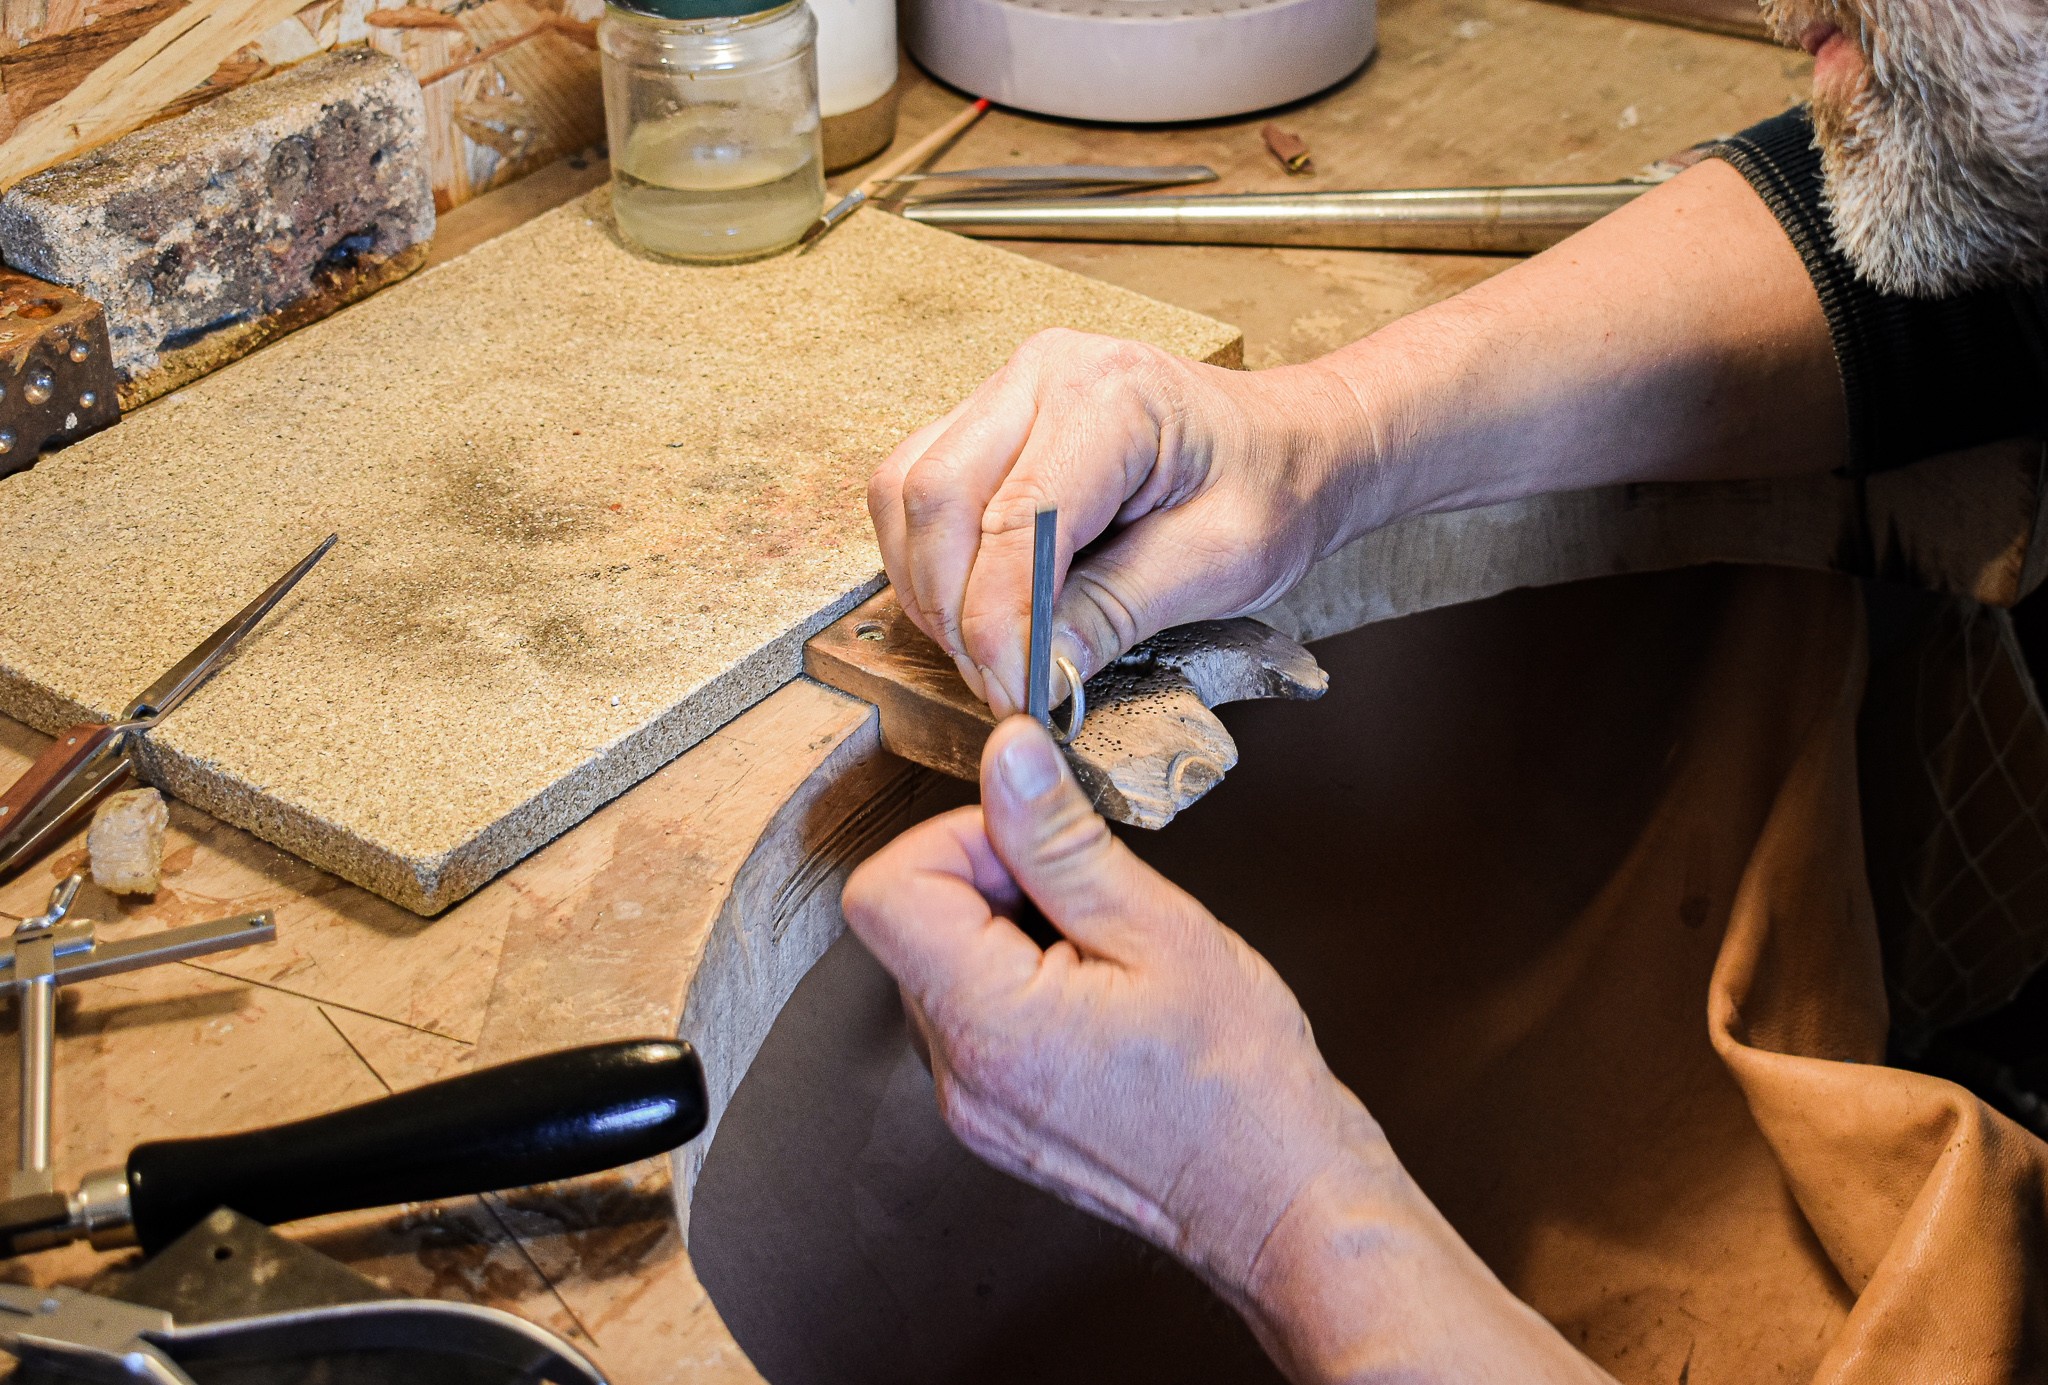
[1147,745]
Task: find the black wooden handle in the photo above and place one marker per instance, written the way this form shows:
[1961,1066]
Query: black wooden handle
[556,1116]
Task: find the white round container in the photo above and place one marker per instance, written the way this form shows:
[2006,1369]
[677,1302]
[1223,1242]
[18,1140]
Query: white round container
[856,78]
[856,53]
[1141,61]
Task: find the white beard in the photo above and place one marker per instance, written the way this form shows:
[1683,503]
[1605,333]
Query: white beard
[1937,168]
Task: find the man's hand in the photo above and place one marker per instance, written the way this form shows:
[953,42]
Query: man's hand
[1210,483]
[1676,339]
[1151,1068]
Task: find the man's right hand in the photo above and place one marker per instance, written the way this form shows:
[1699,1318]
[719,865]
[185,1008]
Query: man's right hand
[1676,339]
[1211,491]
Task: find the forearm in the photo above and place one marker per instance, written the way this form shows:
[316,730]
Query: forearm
[1677,339]
[1364,1281]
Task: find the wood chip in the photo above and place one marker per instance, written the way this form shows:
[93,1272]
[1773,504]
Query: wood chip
[1289,148]
[126,842]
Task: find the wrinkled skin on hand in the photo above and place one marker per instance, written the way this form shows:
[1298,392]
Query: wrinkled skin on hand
[1676,339]
[1207,488]
[1152,1069]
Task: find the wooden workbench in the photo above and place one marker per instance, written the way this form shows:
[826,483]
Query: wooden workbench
[696,901]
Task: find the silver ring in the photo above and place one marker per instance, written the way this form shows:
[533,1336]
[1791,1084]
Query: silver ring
[1077,704]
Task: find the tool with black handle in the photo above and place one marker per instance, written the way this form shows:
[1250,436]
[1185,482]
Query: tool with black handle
[560,1115]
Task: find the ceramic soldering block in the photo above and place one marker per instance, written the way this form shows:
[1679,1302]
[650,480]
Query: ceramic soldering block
[206,235]
[590,507]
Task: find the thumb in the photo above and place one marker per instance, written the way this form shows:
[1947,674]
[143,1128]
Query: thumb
[1060,851]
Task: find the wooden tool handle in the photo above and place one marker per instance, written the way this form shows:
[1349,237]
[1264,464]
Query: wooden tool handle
[72,748]
[915,156]
[559,1115]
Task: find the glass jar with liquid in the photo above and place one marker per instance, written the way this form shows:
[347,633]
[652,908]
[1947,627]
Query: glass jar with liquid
[711,107]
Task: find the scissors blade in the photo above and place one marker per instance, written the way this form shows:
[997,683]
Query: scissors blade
[1045,531]
[185,677]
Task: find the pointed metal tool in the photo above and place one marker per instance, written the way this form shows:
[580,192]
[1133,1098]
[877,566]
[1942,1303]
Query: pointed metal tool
[1038,703]
[88,759]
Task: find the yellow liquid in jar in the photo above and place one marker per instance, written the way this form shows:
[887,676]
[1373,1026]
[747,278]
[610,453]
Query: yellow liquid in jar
[717,182]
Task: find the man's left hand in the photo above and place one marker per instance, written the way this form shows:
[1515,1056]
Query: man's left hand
[1154,1070]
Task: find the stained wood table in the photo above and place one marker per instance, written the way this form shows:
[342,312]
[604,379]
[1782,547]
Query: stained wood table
[694,903]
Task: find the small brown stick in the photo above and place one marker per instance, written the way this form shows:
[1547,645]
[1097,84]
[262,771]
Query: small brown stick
[573,30]
[1290,149]
[412,17]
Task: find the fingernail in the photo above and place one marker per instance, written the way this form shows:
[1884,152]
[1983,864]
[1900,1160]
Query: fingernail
[992,689]
[1030,764]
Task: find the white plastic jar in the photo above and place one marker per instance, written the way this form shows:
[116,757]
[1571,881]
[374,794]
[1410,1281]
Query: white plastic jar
[711,107]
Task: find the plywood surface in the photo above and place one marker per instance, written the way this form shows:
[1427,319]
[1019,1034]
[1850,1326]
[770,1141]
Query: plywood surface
[590,506]
[1461,92]
[690,905]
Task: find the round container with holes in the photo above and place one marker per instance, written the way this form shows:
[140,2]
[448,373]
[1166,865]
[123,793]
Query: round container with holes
[1141,61]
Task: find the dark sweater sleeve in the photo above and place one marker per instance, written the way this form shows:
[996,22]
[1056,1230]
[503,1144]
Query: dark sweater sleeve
[1921,375]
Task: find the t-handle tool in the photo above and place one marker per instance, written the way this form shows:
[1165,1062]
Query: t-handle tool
[559,1115]
[87,759]
[52,950]
[106,1339]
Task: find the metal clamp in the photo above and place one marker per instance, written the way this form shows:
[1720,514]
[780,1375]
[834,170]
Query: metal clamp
[53,950]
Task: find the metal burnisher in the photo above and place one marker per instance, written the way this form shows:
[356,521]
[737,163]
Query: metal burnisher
[1038,680]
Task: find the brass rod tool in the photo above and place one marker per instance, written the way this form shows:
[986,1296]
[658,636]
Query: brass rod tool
[89,758]
[1503,220]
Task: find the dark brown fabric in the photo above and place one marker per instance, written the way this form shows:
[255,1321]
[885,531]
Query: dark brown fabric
[1658,1111]
[1571,886]
[1953,754]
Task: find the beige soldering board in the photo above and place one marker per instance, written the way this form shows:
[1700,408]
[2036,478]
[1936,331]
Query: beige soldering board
[590,507]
